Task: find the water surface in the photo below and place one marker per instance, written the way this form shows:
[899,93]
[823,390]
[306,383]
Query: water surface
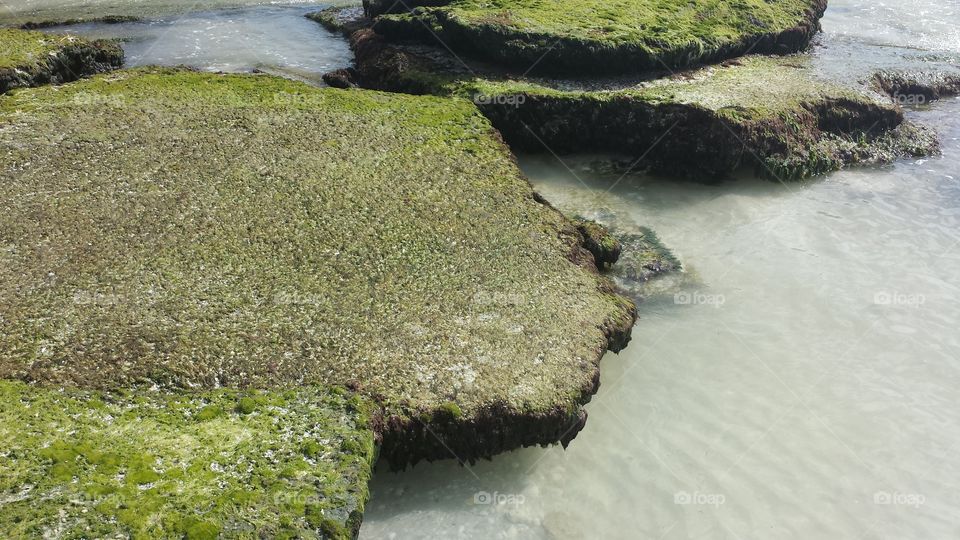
[276,39]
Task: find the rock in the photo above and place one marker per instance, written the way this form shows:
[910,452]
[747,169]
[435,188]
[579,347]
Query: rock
[917,87]
[593,37]
[213,230]
[767,113]
[341,78]
[598,241]
[340,19]
[33,58]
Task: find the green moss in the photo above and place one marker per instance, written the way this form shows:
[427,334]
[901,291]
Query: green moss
[611,36]
[249,231]
[209,413]
[148,467]
[20,48]
[246,405]
[451,410]
[32,58]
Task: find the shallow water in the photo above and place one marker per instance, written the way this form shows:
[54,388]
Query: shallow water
[800,382]
[276,39]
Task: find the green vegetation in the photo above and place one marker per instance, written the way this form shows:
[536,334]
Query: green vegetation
[20,48]
[159,465]
[30,58]
[766,112]
[618,36]
[232,230]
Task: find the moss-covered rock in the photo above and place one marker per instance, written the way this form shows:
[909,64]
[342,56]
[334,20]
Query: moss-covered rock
[768,113]
[201,230]
[917,87]
[567,38]
[30,58]
[173,465]
[599,242]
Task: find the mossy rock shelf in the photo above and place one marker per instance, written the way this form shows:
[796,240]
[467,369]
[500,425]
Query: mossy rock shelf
[769,113]
[30,58]
[592,37]
[194,230]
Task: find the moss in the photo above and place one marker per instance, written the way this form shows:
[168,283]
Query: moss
[146,466]
[30,58]
[593,36]
[246,405]
[767,112]
[451,410]
[248,231]
[209,413]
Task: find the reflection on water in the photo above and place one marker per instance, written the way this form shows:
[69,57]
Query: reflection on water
[276,39]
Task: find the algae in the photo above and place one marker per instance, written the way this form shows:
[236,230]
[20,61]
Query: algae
[156,464]
[620,36]
[29,58]
[196,230]
[769,113]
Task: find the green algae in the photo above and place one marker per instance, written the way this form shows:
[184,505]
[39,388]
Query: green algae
[230,230]
[19,48]
[619,36]
[29,58]
[767,112]
[157,465]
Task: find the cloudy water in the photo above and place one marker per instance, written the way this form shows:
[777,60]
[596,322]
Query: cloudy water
[275,39]
[801,379]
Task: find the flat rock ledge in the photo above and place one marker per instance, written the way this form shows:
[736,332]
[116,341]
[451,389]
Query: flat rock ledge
[167,233]
[30,58]
[590,37]
[766,113]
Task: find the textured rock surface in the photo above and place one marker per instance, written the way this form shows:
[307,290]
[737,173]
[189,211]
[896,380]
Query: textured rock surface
[768,113]
[606,37]
[30,58]
[196,230]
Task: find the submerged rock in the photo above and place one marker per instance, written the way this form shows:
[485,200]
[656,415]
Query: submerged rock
[30,58]
[599,241]
[917,87]
[197,230]
[208,464]
[768,113]
[602,37]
